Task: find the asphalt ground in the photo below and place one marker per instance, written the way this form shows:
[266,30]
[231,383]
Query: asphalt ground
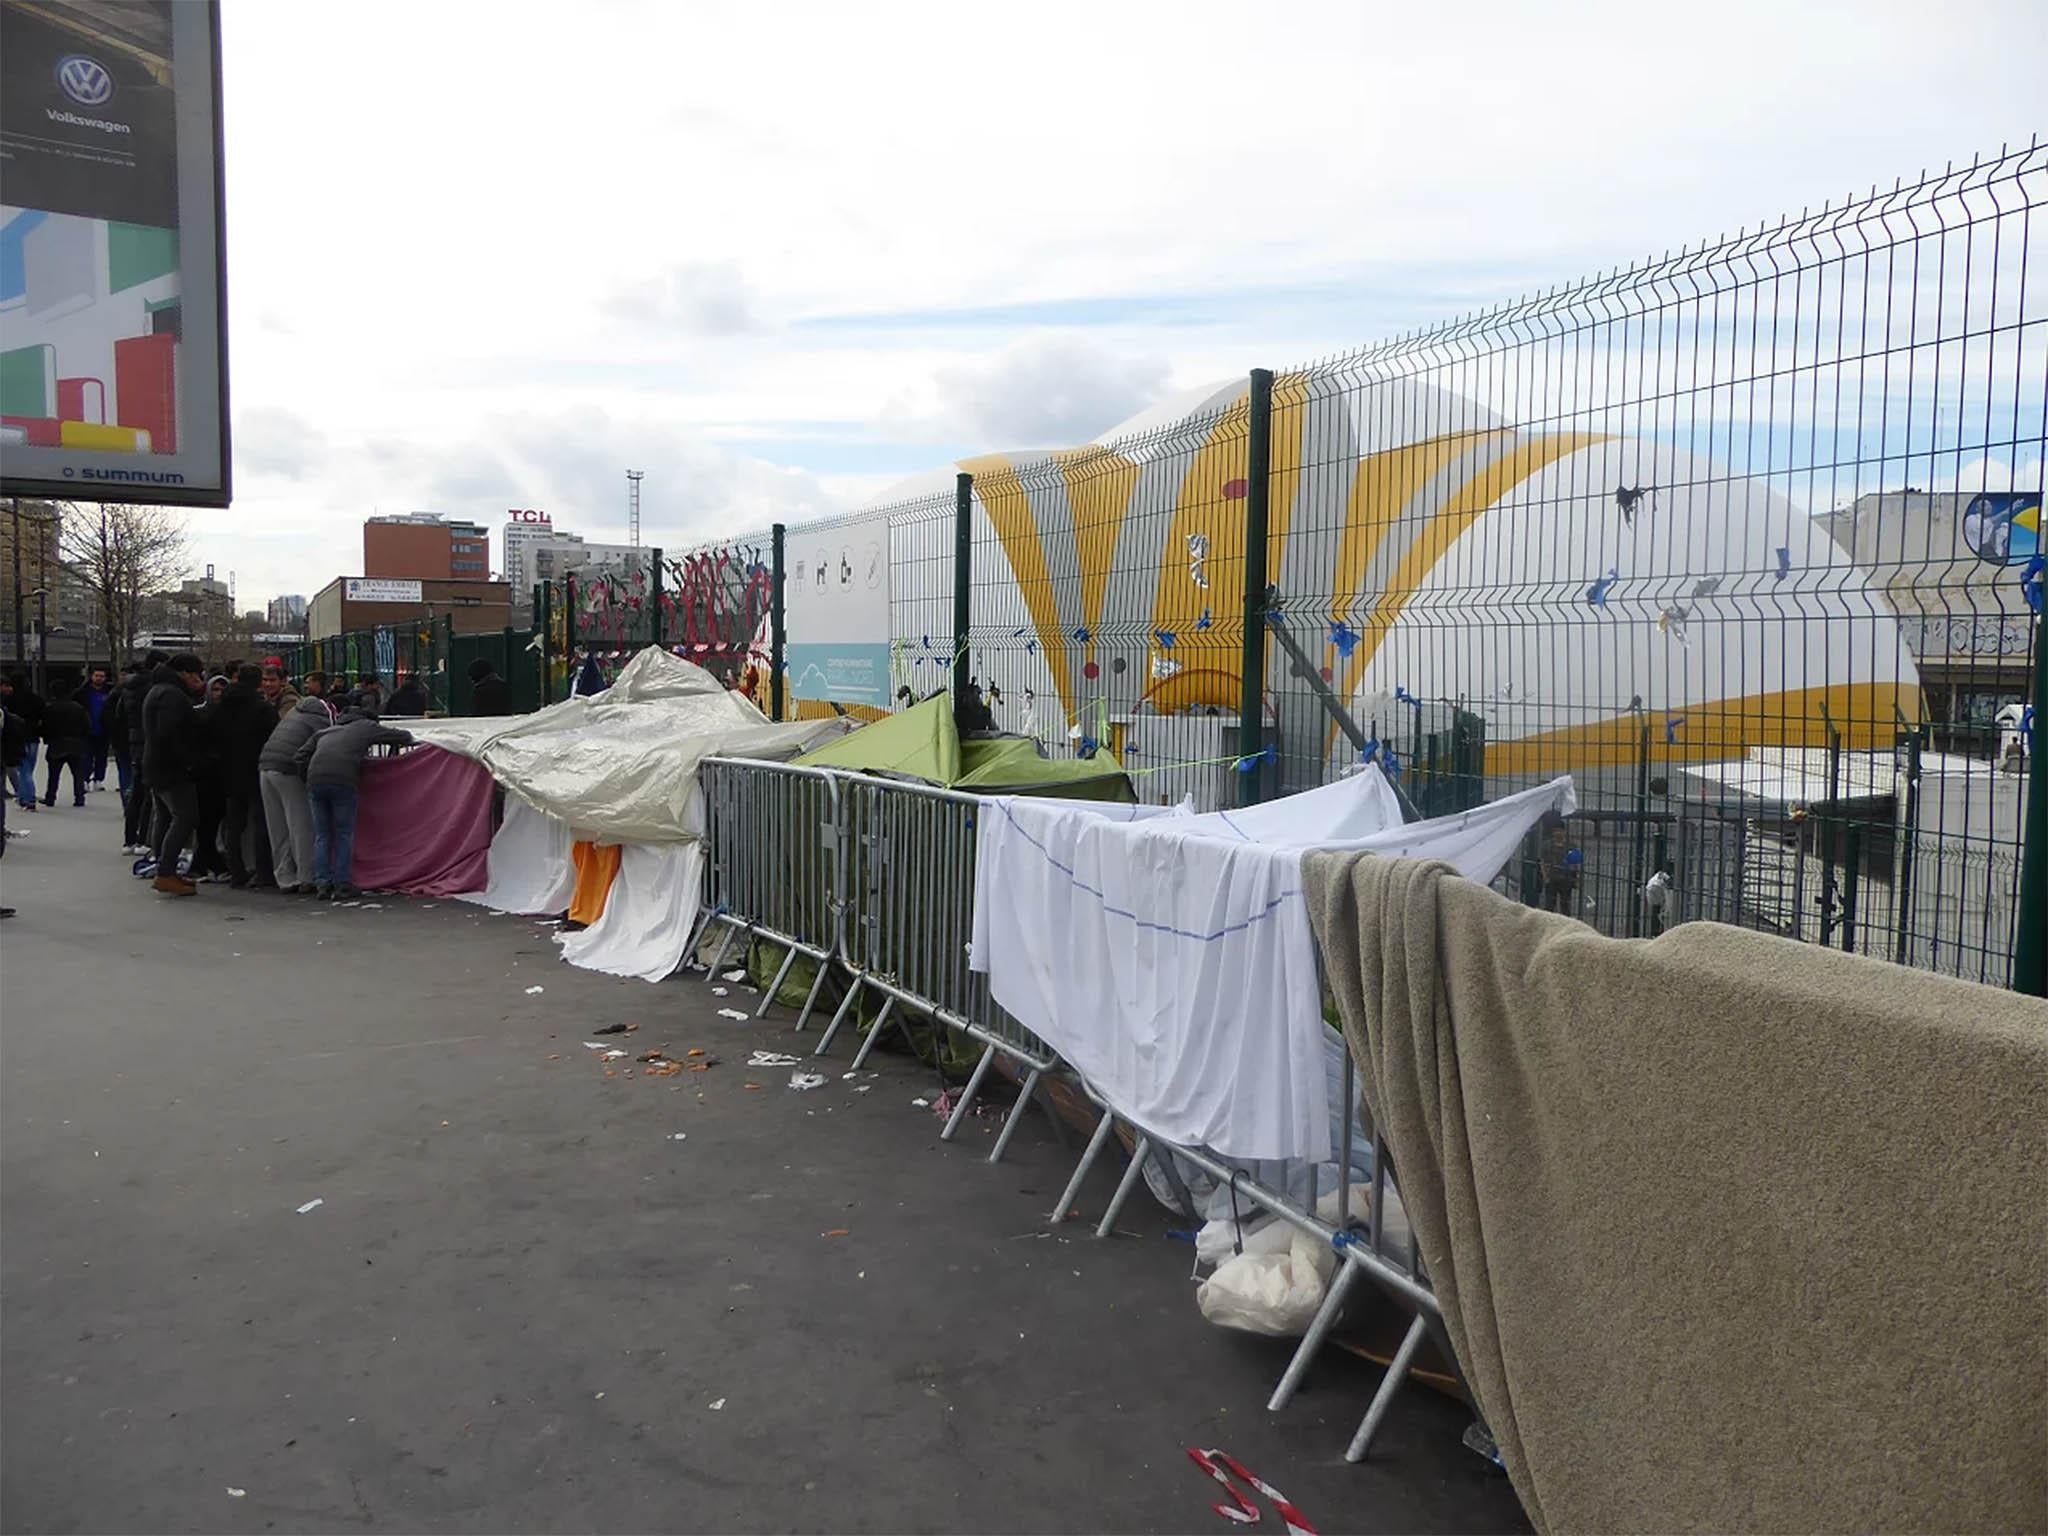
[523,1304]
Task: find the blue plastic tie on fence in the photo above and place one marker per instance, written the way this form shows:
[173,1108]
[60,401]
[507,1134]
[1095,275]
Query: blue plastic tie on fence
[1342,1240]
[1596,594]
[1369,751]
[1344,638]
[1204,621]
[1391,762]
[1403,696]
[1081,635]
[1672,725]
[1252,764]
[2027,726]
[1165,637]
[1574,857]
[2030,582]
[1784,563]
[1088,748]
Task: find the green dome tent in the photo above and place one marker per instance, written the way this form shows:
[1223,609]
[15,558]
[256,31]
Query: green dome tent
[923,743]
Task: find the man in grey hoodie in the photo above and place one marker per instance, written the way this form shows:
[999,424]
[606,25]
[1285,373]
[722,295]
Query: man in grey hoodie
[333,760]
[287,814]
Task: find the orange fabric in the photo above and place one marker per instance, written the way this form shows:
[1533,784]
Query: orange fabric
[597,866]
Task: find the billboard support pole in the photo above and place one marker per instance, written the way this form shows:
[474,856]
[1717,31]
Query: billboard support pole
[777,622]
[1257,504]
[963,579]
[2030,944]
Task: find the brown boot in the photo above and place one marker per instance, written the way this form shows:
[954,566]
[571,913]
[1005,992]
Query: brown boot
[174,885]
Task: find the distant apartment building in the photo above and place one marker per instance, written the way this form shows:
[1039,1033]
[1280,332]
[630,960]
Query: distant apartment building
[286,615]
[424,546]
[536,550]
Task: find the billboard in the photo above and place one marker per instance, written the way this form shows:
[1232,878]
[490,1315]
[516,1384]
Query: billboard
[113,313]
[376,589]
[835,598]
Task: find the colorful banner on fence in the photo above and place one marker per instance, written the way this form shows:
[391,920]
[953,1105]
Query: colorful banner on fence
[836,607]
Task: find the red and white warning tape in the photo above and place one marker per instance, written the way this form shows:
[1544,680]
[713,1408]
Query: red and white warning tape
[1241,1510]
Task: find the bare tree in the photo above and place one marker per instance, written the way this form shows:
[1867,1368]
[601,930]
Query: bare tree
[122,554]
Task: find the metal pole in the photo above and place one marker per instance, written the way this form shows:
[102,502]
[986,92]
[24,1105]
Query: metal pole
[963,577]
[2030,946]
[1257,505]
[42,639]
[569,631]
[778,619]
[544,613]
[14,565]
[654,597]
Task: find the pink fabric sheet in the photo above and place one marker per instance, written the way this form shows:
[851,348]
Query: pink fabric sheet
[423,824]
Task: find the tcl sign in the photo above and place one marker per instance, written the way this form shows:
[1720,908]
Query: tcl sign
[514,515]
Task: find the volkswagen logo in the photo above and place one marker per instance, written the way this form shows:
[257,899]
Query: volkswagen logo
[85,80]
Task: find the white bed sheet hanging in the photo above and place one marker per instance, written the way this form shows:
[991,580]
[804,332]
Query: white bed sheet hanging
[529,869]
[1170,960]
[647,916]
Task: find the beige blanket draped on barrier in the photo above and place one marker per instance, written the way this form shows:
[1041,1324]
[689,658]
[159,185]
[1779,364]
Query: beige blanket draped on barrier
[1729,1232]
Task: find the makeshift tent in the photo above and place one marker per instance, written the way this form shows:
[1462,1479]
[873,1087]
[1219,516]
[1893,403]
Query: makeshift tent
[615,774]
[424,824]
[923,743]
[621,766]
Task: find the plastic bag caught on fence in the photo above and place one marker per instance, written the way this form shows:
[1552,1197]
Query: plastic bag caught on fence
[1276,1294]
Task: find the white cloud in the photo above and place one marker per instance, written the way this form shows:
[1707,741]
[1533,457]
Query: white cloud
[588,247]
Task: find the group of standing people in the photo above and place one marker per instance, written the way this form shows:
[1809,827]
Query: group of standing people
[255,776]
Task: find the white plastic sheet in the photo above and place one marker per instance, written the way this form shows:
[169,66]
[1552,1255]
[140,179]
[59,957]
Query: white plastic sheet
[530,868]
[621,766]
[1170,961]
[647,916]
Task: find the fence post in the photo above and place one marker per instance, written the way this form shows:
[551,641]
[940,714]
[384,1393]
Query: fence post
[2030,946]
[544,615]
[569,624]
[963,579]
[777,618]
[1257,506]
[654,597]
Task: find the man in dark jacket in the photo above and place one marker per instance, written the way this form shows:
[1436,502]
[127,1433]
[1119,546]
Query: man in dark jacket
[67,736]
[28,704]
[210,778]
[245,722]
[138,803]
[98,697]
[333,761]
[491,694]
[408,700]
[169,747]
[286,811]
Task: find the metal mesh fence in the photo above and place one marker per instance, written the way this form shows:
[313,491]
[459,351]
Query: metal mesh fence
[1744,538]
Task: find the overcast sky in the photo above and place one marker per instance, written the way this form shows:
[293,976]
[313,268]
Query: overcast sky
[778,257]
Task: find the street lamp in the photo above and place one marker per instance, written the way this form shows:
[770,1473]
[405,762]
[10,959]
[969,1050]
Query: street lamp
[42,597]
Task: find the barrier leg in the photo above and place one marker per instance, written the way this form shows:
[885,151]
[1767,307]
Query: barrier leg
[695,942]
[966,1100]
[1312,1341]
[861,1055]
[1016,1114]
[719,959]
[839,1017]
[1132,1174]
[775,986]
[1094,1150]
[811,998]
[1384,1398]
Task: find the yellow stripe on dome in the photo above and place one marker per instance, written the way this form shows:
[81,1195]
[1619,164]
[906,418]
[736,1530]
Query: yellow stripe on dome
[1099,486]
[1003,497]
[1720,731]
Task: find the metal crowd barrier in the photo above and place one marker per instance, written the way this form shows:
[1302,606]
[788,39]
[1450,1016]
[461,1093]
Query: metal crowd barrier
[772,865]
[877,876]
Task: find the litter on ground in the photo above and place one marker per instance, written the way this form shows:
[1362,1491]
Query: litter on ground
[806,1080]
[610,1029]
[611,1055]
[312,1204]
[718,1405]
[732,1013]
[735,975]
[535,991]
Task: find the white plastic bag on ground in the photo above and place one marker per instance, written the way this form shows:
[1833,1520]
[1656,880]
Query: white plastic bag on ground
[1276,1294]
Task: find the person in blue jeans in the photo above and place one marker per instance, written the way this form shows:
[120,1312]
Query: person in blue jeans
[332,761]
[25,704]
[98,698]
